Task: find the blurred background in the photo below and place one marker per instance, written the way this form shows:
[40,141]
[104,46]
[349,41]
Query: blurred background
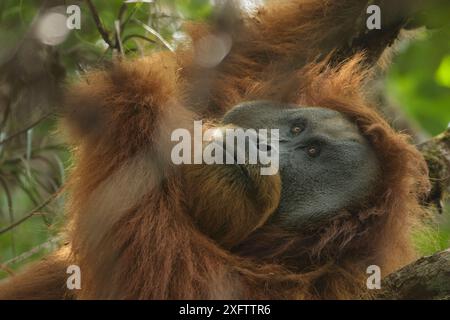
[39,53]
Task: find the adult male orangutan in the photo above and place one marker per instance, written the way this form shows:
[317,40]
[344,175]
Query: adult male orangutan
[346,195]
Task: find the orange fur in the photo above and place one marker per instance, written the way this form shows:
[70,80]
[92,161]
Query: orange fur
[45,280]
[131,225]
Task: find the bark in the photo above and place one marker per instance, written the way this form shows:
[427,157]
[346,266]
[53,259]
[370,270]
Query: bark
[427,278]
[437,155]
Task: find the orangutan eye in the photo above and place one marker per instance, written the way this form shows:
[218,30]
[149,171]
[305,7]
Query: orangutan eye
[296,130]
[313,151]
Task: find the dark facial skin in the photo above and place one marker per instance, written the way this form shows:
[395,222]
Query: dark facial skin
[326,165]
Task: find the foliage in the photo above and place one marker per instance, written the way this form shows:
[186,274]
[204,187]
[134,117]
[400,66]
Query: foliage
[420,80]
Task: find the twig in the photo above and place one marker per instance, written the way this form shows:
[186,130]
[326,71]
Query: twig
[7,269]
[155,33]
[103,32]
[8,198]
[122,10]
[10,209]
[46,245]
[25,130]
[118,37]
[32,213]
[131,36]
[121,13]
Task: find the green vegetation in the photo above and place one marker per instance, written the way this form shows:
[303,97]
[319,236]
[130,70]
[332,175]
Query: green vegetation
[420,80]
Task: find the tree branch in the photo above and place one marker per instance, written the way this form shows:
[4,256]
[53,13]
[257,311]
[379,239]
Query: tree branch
[437,154]
[427,278]
[24,130]
[32,213]
[101,29]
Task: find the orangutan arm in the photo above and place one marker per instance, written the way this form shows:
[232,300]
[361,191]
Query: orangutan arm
[44,280]
[301,30]
[237,53]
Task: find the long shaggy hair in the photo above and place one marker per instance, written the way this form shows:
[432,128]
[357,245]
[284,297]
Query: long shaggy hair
[130,229]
